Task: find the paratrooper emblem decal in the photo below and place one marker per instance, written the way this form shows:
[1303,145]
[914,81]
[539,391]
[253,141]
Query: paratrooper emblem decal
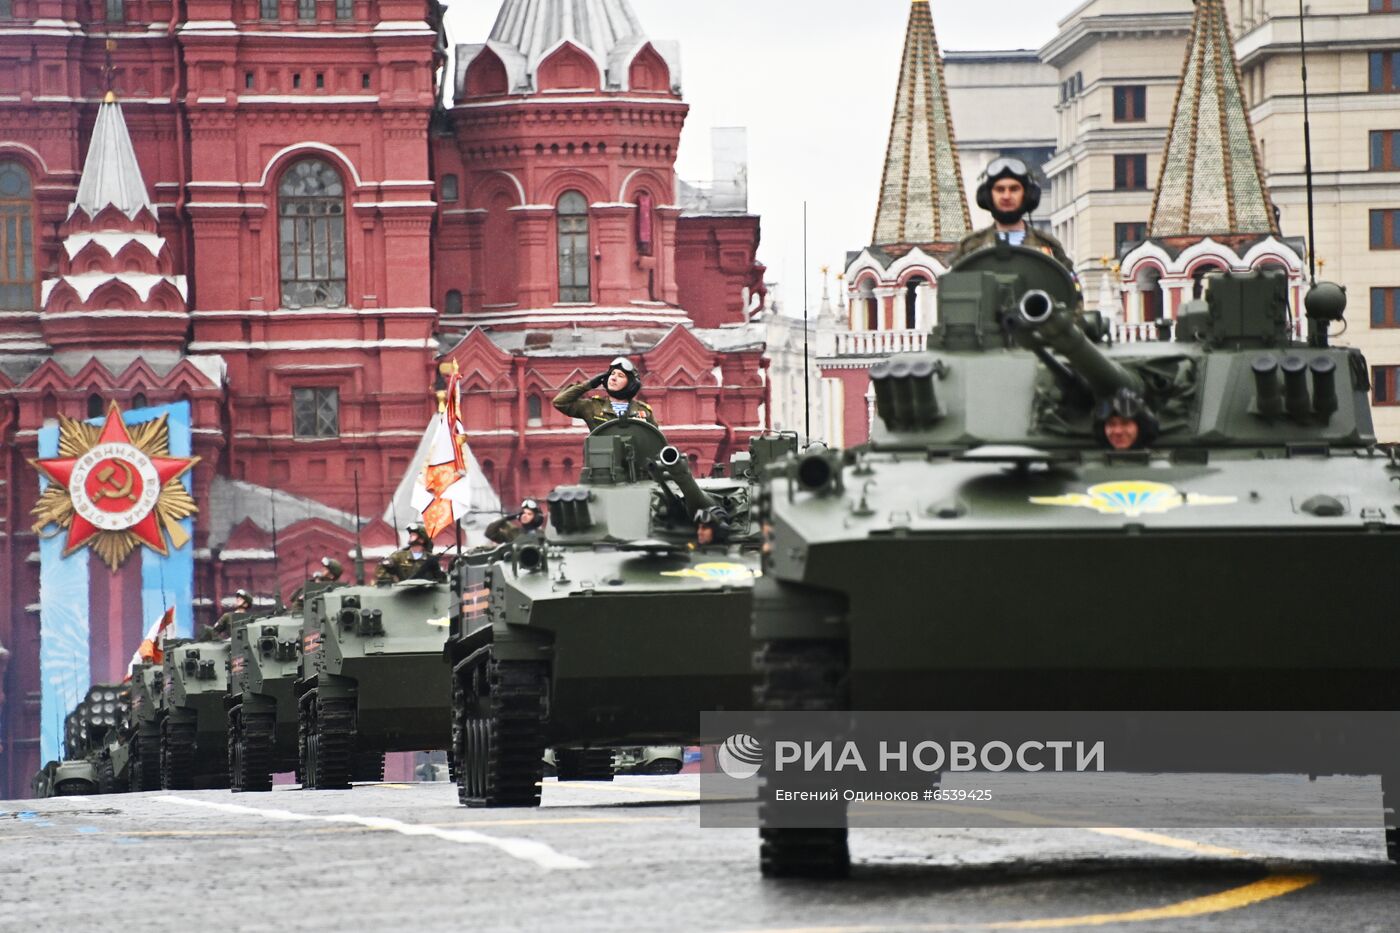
[115,488]
[1132,498]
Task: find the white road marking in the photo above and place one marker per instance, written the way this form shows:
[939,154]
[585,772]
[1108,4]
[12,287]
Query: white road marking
[527,850]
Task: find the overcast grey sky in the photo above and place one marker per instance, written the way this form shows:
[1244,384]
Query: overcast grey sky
[814,83]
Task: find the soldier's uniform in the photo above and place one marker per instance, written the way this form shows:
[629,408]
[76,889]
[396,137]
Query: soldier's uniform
[401,565]
[1035,239]
[594,410]
[223,626]
[503,530]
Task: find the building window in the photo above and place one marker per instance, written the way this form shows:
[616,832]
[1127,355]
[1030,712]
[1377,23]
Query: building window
[116,11]
[447,189]
[344,9]
[311,233]
[320,80]
[1130,172]
[248,81]
[296,80]
[95,406]
[364,80]
[139,400]
[1125,235]
[1385,307]
[1385,385]
[268,9]
[1385,72]
[911,302]
[453,304]
[1385,6]
[645,225]
[7,10]
[1385,150]
[534,411]
[1385,229]
[1130,104]
[16,238]
[306,9]
[316,412]
[573,249]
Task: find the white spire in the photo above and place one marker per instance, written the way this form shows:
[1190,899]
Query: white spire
[111,175]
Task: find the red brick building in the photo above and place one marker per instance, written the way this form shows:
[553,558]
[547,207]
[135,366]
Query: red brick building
[285,223]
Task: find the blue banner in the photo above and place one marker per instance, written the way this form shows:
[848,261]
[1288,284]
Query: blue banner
[64,582]
[63,624]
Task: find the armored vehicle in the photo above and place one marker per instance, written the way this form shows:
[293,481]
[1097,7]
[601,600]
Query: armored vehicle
[147,687]
[616,632]
[1065,564]
[68,778]
[651,759]
[97,731]
[371,679]
[193,723]
[264,662]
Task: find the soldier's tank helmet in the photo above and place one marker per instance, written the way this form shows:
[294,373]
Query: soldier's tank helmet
[417,530]
[1127,404]
[243,596]
[716,516]
[333,568]
[634,381]
[1001,168]
[534,506]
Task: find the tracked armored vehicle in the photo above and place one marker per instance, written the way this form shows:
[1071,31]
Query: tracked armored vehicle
[264,663]
[1058,572]
[193,722]
[371,679]
[618,631]
[98,730]
[147,689]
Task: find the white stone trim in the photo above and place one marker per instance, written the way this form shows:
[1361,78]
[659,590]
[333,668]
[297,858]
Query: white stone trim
[306,99]
[309,145]
[227,346]
[318,311]
[246,554]
[602,97]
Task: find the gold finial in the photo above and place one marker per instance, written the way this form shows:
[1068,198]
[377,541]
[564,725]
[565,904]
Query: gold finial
[110,97]
[449,367]
[442,400]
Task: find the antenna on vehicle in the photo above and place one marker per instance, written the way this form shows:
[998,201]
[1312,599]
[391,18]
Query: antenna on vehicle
[1307,148]
[359,547]
[806,375]
[276,562]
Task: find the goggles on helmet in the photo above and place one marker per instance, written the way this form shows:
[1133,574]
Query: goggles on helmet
[529,504]
[624,364]
[1008,166]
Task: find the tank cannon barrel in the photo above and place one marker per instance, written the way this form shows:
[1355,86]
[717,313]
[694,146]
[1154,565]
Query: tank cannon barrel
[1048,324]
[672,465]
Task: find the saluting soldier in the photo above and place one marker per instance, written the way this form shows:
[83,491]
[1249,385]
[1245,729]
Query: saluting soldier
[504,530]
[1008,191]
[414,562]
[622,384]
[223,626]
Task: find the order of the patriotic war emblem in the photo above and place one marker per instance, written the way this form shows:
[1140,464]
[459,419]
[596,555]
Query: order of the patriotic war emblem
[115,488]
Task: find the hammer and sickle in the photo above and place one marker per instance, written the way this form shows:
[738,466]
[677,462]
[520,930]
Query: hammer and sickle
[112,491]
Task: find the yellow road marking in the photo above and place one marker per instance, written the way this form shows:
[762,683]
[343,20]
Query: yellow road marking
[605,786]
[394,786]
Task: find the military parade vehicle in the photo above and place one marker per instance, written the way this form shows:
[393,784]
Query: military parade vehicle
[89,732]
[264,662]
[147,687]
[1060,559]
[650,759]
[371,679]
[618,631]
[193,722]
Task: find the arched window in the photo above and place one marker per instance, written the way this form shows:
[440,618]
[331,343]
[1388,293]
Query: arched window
[139,400]
[573,249]
[1198,278]
[534,414]
[116,11]
[95,406]
[447,189]
[869,305]
[644,224]
[911,302]
[453,305]
[311,233]
[16,238]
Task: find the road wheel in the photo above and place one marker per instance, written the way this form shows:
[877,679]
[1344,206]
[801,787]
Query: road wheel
[177,755]
[502,729]
[331,744]
[664,766]
[250,752]
[801,675]
[106,777]
[584,764]
[145,759]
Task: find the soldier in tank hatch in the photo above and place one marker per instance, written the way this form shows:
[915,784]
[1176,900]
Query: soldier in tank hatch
[1009,192]
[622,384]
[711,527]
[329,573]
[505,529]
[223,627]
[416,561]
[1124,422]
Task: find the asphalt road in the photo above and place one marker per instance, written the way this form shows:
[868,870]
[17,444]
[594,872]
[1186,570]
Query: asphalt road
[631,856]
